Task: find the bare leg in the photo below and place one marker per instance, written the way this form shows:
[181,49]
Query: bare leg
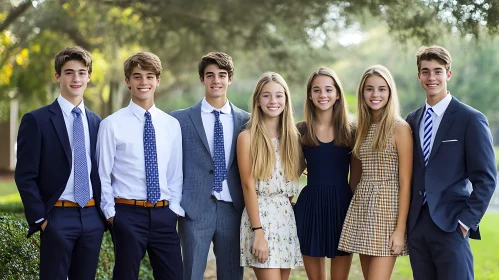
[285,273]
[340,267]
[315,268]
[381,268]
[268,273]
[365,262]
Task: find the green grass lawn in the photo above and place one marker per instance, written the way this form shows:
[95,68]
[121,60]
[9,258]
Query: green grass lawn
[7,187]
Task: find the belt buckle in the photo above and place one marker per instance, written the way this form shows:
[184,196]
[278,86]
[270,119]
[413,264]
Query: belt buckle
[144,203]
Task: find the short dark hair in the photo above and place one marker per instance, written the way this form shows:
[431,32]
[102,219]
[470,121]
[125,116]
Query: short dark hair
[434,52]
[144,60]
[223,60]
[73,53]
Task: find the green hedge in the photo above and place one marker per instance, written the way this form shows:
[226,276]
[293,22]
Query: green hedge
[20,256]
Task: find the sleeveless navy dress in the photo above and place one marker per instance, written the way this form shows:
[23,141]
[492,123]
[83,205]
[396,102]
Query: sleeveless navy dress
[322,205]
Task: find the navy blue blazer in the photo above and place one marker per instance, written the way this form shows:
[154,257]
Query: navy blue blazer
[44,161]
[462,152]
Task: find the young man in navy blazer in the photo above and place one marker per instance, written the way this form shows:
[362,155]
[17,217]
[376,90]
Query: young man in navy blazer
[454,175]
[57,177]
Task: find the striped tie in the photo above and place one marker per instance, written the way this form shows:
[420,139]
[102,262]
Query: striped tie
[428,127]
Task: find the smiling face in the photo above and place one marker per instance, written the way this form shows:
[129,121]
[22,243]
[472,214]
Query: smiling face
[323,93]
[73,81]
[142,84]
[215,81]
[376,93]
[272,100]
[434,77]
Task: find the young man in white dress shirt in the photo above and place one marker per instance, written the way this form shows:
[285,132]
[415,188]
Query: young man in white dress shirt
[139,151]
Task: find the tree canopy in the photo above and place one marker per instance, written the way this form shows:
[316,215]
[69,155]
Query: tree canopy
[271,34]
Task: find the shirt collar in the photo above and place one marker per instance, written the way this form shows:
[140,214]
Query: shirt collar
[67,107]
[139,111]
[206,107]
[441,106]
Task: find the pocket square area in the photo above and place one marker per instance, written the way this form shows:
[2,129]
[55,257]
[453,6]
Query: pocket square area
[451,140]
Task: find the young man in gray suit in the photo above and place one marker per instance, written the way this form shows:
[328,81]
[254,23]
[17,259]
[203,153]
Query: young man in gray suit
[452,148]
[212,194]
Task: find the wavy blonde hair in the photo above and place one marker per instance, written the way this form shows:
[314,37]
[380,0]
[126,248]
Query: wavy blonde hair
[262,149]
[342,126]
[389,115]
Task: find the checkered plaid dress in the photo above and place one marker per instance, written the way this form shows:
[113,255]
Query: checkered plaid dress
[373,212]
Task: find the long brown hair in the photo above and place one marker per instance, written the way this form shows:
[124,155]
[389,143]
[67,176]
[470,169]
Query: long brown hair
[342,126]
[262,149]
[389,115]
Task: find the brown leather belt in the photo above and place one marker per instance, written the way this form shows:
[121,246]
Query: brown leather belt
[67,203]
[141,203]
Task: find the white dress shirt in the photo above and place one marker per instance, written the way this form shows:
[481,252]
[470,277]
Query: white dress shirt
[67,107]
[120,155]
[228,126]
[436,117]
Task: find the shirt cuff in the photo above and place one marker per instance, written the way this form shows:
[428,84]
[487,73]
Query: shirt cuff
[175,207]
[109,212]
[464,226]
[39,221]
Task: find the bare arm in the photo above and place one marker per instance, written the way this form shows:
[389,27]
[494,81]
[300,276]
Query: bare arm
[403,142]
[244,161]
[355,172]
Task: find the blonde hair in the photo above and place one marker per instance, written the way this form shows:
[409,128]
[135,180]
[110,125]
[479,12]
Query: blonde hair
[262,149]
[389,115]
[343,128]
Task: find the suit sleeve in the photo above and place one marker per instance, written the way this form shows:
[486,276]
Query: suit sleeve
[29,142]
[481,169]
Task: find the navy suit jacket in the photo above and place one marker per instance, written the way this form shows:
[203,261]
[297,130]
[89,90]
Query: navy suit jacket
[198,162]
[462,152]
[44,160]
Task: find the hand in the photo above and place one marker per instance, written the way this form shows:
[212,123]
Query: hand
[44,225]
[110,220]
[396,242]
[260,247]
[463,230]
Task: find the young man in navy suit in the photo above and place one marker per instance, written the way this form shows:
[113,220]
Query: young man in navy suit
[57,176]
[454,175]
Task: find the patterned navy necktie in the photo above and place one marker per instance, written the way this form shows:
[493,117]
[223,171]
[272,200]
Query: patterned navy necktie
[218,153]
[428,131]
[151,160]
[81,184]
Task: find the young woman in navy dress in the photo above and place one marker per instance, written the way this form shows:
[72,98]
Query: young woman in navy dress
[327,138]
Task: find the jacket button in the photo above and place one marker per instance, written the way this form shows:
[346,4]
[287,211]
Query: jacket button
[420,193]
[211,171]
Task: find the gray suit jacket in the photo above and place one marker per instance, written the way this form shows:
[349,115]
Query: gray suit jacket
[198,162]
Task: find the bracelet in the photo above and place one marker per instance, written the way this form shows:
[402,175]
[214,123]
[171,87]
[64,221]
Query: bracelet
[256,228]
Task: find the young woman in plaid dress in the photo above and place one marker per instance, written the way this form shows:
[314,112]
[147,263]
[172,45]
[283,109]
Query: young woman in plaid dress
[375,224]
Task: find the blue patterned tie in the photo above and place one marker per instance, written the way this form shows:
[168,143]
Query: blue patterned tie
[81,184]
[428,127]
[151,159]
[218,153]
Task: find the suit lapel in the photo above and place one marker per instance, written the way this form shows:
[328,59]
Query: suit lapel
[419,117]
[92,130]
[238,123]
[444,126]
[60,128]
[195,115]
